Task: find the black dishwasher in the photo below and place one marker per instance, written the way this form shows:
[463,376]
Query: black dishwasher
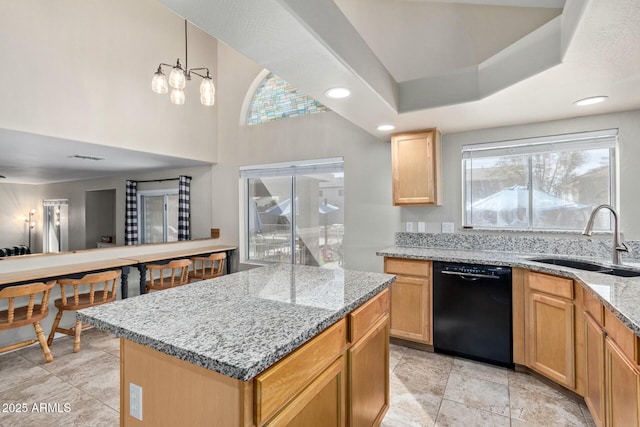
[472,312]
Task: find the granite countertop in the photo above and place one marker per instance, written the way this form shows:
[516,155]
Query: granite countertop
[239,324]
[621,295]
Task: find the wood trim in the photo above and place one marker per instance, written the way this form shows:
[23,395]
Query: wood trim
[338,370]
[278,385]
[580,349]
[361,319]
[517,295]
[552,285]
[629,397]
[364,376]
[624,337]
[407,267]
[566,378]
[596,409]
[593,307]
[168,383]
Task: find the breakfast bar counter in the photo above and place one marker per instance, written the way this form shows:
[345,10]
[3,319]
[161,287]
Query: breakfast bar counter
[264,341]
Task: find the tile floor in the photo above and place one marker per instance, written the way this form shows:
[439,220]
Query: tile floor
[426,390]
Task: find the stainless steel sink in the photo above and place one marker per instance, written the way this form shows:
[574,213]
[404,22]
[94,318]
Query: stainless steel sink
[589,266]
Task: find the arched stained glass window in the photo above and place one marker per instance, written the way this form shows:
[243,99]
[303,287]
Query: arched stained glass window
[276,99]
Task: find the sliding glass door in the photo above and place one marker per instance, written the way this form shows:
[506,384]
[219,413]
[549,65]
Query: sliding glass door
[295,213]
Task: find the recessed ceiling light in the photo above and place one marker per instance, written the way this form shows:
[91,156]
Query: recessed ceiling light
[337,92]
[384,128]
[591,100]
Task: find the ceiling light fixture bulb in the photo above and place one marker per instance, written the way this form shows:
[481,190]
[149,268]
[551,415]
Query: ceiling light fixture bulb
[207,91]
[385,128]
[338,92]
[177,96]
[591,100]
[159,82]
[177,79]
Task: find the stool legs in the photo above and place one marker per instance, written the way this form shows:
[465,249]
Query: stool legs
[56,322]
[43,343]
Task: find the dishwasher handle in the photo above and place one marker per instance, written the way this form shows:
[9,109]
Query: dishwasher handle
[470,276]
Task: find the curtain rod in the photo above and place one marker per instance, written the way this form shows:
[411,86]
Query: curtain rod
[160,180]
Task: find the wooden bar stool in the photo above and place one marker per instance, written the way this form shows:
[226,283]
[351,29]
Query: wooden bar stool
[210,266]
[76,294]
[165,276]
[32,313]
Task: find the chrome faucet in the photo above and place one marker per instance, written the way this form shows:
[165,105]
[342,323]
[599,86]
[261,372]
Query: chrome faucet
[618,245]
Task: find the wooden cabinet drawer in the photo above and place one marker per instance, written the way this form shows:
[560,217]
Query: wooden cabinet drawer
[365,316]
[409,267]
[624,337]
[278,385]
[593,307]
[552,285]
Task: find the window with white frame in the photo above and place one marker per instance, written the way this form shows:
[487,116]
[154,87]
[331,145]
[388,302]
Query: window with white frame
[545,183]
[158,215]
[294,212]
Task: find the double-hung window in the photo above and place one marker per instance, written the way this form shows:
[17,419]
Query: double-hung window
[294,212]
[545,183]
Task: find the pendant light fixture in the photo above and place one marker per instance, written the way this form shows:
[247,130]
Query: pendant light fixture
[178,79]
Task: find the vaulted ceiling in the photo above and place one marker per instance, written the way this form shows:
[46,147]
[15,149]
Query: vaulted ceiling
[455,64]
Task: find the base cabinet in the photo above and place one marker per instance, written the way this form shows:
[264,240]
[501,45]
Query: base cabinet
[550,326]
[595,391]
[622,384]
[369,376]
[321,403]
[410,299]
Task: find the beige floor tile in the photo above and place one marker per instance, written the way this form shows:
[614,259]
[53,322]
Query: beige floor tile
[396,352]
[544,409]
[74,408]
[478,393]
[32,386]
[14,360]
[533,384]
[103,386]
[482,371]
[454,414]
[411,408]
[587,415]
[14,378]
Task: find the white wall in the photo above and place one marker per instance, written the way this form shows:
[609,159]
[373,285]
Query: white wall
[82,69]
[628,124]
[369,215]
[75,191]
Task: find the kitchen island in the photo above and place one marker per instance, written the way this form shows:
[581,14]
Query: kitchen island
[277,345]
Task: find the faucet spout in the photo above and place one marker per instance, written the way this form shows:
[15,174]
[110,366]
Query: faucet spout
[618,244]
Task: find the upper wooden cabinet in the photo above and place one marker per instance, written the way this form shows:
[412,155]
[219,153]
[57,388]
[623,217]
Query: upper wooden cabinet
[416,167]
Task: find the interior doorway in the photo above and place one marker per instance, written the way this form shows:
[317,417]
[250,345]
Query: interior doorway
[100,218]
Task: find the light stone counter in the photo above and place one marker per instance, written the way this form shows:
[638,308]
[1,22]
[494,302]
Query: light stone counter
[618,294]
[239,324]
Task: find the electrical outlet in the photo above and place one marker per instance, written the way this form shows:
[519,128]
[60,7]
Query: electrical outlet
[408,227]
[135,401]
[447,227]
[421,227]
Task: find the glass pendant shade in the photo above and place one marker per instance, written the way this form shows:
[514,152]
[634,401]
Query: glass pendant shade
[207,99]
[207,92]
[177,96]
[159,83]
[177,79]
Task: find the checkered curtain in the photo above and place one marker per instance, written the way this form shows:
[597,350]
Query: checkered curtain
[184,209]
[131,215]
